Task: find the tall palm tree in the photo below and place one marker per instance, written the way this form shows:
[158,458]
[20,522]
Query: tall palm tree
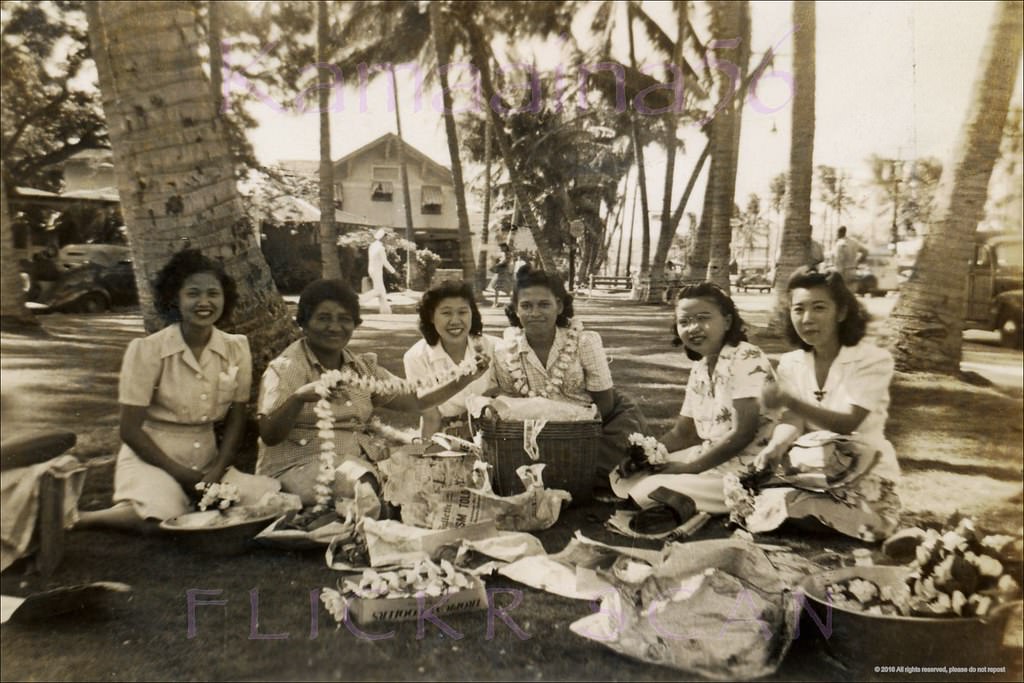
[796,231]
[929,315]
[174,168]
[330,266]
[442,47]
[728,19]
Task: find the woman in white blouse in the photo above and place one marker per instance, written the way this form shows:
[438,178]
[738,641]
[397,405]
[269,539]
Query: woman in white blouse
[452,330]
[837,382]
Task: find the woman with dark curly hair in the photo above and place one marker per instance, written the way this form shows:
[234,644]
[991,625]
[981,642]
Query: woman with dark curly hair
[720,427]
[452,330]
[836,386]
[290,438]
[546,353]
[175,385]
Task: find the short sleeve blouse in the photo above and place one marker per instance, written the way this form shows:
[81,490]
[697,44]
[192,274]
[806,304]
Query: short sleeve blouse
[740,372]
[161,373]
[859,376]
[423,362]
[586,369]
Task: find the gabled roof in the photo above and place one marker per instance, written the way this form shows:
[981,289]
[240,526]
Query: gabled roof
[411,153]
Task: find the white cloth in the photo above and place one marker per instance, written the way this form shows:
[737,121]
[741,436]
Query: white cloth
[859,376]
[19,491]
[423,361]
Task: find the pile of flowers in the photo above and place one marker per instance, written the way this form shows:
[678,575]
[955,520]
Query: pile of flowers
[218,496]
[556,377]
[955,573]
[645,453]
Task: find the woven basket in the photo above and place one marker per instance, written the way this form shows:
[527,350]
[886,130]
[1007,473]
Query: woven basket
[567,448]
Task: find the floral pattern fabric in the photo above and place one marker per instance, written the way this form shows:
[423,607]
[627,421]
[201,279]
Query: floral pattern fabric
[740,372]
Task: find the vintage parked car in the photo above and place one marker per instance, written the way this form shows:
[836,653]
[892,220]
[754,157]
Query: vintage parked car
[753,278]
[92,288]
[995,284]
[877,274]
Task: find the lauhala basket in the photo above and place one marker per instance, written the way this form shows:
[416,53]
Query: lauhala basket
[568,449]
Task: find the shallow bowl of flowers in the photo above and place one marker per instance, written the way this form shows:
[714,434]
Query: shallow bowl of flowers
[220,532]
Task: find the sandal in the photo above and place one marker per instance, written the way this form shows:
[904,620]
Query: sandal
[674,511]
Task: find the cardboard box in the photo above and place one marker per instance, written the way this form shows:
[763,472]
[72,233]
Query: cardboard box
[374,610]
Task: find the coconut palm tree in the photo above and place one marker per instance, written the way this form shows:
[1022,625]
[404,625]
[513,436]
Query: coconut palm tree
[796,231]
[330,266]
[728,19]
[928,317]
[174,168]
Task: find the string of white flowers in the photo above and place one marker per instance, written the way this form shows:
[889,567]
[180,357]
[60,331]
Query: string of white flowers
[329,380]
[556,377]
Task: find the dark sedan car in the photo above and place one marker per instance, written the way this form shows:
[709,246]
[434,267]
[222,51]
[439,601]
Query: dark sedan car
[92,288]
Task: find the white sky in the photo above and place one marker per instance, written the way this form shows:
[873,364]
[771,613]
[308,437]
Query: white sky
[893,79]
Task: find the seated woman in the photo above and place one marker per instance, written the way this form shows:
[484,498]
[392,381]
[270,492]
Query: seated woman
[840,383]
[452,331]
[289,443]
[175,385]
[545,353]
[720,427]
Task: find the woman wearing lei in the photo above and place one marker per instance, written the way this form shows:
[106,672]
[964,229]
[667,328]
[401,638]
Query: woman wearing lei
[546,353]
[317,397]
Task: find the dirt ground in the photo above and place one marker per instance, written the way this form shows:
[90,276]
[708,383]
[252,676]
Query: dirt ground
[959,445]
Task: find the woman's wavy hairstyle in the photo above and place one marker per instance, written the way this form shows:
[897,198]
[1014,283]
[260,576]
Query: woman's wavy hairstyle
[449,289]
[169,280]
[528,277]
[319,291]
[854,324]
[709,291]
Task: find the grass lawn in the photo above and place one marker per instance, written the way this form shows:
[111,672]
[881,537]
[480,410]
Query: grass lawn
[959,445]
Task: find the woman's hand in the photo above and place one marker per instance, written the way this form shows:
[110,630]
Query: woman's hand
[770,457]
[307,393]
[773,396]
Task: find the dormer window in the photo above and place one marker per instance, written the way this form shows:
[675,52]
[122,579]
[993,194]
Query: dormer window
[430,200]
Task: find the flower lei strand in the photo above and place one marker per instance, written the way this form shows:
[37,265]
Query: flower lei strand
[217,495]
[324,487]
[556,378]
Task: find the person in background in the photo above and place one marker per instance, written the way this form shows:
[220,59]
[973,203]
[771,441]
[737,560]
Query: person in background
[846,254]
[502,281]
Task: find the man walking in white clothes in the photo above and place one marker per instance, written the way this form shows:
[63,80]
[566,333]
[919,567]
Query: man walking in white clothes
[377,258]
[846,254]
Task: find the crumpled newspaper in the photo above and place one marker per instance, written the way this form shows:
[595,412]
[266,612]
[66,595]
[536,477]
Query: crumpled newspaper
[721,609]
[536,508]
[412,479]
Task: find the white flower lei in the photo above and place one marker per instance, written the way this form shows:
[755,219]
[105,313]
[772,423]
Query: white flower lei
[324,487]
[556,378]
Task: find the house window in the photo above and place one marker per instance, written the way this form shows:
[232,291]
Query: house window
[430,200]
[382,186]
[339,196]
[382,190]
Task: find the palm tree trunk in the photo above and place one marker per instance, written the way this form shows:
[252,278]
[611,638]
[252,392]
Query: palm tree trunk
[213,31]
[330,266]
[13,313]
[406,196]
[796,231]
[485,229]
[638,154]
[700,242]
[732,19]
[928,317]
[443,49]
[174,168]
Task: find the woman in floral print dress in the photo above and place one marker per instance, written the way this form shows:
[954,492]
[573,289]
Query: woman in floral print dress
[720,427]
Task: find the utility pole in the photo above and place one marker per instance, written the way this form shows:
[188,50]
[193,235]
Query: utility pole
[410,249]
